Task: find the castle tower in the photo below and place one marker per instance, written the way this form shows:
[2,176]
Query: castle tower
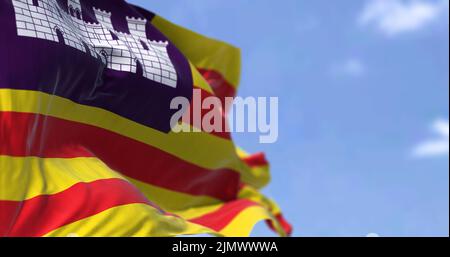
[136,26]
[103,17]
[74,8]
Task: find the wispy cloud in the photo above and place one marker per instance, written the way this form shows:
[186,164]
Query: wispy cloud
[393,17]
[352,67]
[439,145]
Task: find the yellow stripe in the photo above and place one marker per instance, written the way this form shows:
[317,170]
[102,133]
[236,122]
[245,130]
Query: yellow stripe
[250,193]
[181,204]
[33,176]
[37,102]
[137,220]
[203,52]
[272,209]
[199,81]
[22,178]
[177,144]
[243,223]
[258,177]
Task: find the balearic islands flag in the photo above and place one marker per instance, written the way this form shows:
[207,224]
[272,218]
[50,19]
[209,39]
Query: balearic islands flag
[86,146]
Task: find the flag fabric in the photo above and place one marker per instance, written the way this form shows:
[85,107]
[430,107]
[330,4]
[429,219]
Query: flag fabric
[86,146]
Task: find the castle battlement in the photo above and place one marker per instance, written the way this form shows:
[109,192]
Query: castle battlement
[96,10]
[136,19]
[117,50]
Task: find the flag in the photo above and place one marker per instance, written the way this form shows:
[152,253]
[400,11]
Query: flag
[86,142]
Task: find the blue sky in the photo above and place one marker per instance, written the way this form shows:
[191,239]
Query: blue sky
[363,88]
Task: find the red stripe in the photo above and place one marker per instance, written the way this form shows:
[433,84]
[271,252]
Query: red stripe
[283,223]
[256,160]
[221,87]
[219,219]
[203,112]
[44,213]
[26,134]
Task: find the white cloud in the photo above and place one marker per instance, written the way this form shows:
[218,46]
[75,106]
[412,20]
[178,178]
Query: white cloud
[393,17]
[438,146]
[351,67]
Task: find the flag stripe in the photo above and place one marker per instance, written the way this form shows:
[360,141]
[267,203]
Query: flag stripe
[50,176]
[243,223]
[34,176]
[258,174]
[221,87]
[40,215]
[256,160]
[200,81]
[202,112]
[136,220]
[182,204]
[127,109]
[205,53]
[178,144]
[218,219]
[286,227]
[52,137]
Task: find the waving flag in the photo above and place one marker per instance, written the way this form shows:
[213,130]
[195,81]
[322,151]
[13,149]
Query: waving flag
[86,146]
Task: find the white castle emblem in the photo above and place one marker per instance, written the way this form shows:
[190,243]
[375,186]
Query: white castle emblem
[44,19]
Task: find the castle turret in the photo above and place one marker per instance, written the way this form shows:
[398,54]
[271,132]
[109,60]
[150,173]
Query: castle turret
[104,18]
[136,26]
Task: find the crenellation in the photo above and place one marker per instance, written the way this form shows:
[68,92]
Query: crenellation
[96,10]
